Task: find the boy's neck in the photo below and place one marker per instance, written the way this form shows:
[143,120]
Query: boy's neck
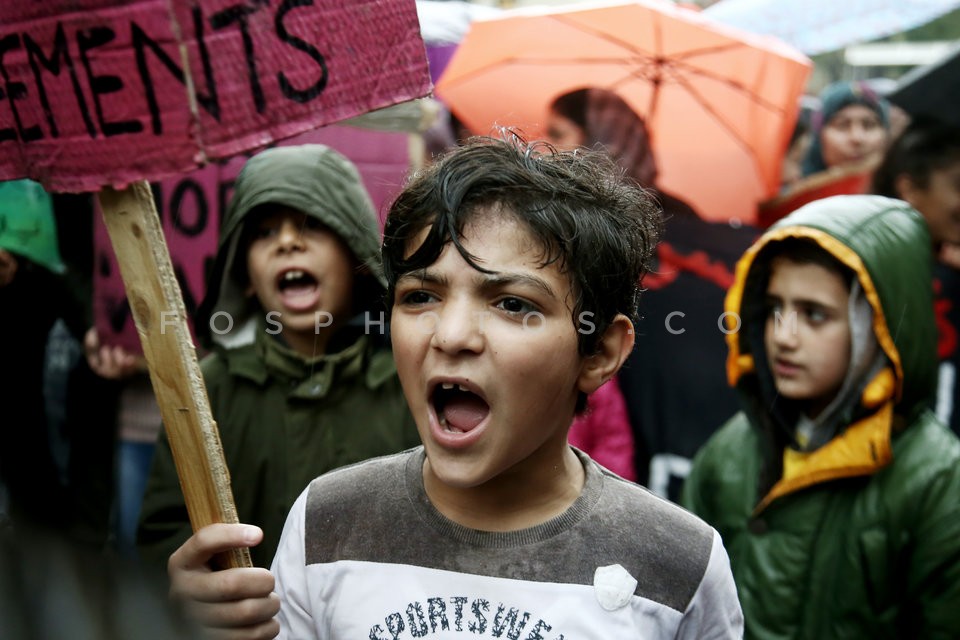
[511,501]
[309,346]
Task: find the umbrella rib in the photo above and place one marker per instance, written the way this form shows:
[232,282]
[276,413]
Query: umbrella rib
[720,48]
[658,77]
[671,74]
[626,44]
[717,116]
[681,78]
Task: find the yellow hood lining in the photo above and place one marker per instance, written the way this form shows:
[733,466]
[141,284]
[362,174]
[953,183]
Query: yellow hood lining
[862,449]
[739,364]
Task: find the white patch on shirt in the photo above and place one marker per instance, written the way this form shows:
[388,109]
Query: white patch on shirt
[613,586]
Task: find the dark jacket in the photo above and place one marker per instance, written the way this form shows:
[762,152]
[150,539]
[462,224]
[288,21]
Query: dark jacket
[859,538]
[284,419]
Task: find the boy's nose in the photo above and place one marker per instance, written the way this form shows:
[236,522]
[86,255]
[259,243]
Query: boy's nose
[457,327]
[290,236]
[785,331]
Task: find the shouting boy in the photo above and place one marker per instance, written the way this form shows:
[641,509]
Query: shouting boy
[836,490]
[513,272]
[297,385]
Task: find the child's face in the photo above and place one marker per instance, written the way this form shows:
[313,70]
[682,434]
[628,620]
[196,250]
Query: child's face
[853,134]
[507,338]
[939,202]
[299,269]
[808,345]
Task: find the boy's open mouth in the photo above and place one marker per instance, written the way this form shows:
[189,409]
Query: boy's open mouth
[459,410]
[296,282]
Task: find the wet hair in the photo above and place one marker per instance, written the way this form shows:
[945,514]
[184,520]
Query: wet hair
[923,148]
[599,228]
[804,251]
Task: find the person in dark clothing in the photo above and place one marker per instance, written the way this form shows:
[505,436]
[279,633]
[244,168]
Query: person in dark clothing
[673,383]
[50,405]
[33,297]
[922,167]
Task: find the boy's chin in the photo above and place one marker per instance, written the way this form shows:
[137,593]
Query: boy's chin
[453,474]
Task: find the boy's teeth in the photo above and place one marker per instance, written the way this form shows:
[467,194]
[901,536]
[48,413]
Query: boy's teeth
[293,275]
[447,386]
[463,388]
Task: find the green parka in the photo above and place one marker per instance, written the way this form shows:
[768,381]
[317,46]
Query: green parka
[284,419]
[859,538]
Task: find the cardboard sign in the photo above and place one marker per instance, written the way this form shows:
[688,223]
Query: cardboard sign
[191,206]
[96,92]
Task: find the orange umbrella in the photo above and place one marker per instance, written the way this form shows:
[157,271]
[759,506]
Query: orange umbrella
[720,103]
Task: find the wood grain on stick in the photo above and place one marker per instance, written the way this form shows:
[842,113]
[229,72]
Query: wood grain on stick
[158,310]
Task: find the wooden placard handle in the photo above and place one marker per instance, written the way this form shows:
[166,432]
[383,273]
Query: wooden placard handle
[157,306]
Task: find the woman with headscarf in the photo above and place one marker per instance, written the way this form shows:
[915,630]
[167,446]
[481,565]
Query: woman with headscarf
[849,134]
[851,127]
[673,385]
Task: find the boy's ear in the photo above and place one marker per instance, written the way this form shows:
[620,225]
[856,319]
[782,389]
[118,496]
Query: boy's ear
[612,351]
[905,187]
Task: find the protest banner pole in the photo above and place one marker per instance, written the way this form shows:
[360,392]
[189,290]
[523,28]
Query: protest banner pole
[158,311]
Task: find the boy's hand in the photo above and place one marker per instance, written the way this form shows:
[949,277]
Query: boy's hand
[233,603]
[112,363]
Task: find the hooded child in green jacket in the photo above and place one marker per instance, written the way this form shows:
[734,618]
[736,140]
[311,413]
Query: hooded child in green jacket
[836,490]
[300,376]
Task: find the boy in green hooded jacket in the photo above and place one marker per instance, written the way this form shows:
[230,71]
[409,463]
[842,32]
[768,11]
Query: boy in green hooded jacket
[836,490]
[300,377]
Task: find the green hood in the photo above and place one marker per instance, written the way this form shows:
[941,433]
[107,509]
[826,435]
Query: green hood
[885,243]
[890,241]
[311,178]
[27,227]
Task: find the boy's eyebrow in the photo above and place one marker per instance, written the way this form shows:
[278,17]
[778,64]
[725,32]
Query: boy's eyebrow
[809,302]
[423,275]
[485,281]
[501,280]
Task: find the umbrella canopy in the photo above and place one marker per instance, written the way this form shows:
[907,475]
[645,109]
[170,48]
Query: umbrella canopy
[931,91]
[720,104]
[817,26]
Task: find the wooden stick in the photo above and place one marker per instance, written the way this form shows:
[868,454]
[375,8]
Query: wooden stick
[157,304]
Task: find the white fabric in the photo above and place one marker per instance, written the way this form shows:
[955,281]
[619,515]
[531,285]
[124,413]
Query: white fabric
[382,600]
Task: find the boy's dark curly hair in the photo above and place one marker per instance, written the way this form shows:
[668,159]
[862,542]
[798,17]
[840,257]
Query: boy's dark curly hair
[600,228]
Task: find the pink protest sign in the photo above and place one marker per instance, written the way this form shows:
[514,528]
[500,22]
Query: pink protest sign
[191,206]
[96,92]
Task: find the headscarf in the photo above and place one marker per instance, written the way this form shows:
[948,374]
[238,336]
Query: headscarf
[611,122]
[834,98]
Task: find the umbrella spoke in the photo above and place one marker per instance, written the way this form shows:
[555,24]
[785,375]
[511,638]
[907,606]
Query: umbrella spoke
[606,36]
[717,116]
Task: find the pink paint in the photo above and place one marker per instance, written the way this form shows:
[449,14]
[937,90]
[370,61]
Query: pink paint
[96,91]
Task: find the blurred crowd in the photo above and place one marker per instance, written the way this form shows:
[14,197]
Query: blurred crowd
[696,414]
